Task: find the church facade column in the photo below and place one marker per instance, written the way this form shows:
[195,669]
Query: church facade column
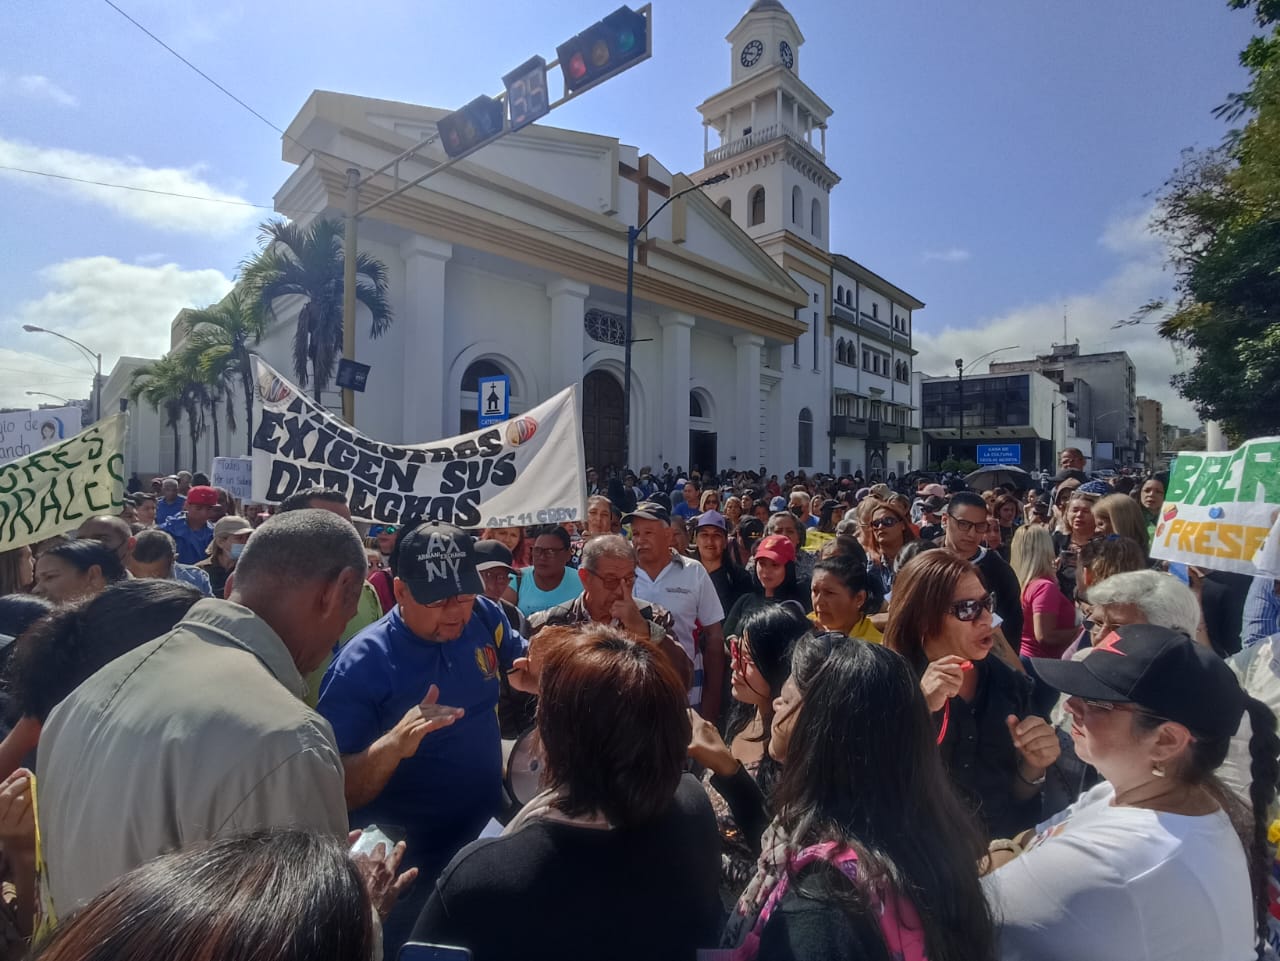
[673,441]
[568,305]
[746,399]
[426,400]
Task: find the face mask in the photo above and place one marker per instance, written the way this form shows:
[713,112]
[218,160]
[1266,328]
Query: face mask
[236,551]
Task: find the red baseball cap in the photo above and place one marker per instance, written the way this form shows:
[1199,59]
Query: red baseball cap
[777,548]
[202,496]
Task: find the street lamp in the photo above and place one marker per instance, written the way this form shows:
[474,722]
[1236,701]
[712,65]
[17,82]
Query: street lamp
[41,393]
[97,380]
[633,234]
[961,367]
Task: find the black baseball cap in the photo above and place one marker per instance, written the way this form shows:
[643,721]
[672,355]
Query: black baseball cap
[438,561]
[1158,669]
[649,511]
[490,554]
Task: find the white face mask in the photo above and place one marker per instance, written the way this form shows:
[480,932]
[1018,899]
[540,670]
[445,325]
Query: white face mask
[236,550]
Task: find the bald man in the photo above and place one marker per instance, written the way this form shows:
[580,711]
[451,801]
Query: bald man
[112,532]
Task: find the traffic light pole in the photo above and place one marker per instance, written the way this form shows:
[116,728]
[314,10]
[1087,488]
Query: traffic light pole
[354,211]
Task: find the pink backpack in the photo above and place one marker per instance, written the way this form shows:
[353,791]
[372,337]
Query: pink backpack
[899,921]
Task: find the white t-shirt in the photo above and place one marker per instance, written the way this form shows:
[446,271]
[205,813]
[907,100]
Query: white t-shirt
[1109,883]
[685,589]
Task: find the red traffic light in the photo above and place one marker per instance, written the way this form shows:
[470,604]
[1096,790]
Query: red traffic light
[471,126]
[606,48]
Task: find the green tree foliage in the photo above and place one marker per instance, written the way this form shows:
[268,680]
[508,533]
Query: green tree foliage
[163,385]
[218,340]
[307,263]
[1220,216]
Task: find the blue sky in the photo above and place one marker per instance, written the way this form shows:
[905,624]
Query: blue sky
[997,156]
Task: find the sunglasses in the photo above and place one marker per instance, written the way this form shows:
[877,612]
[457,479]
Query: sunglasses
[884,522]
[971,610]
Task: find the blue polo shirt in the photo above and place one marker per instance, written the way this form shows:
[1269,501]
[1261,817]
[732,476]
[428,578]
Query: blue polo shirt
[165,510]
[192,544]
[452,786]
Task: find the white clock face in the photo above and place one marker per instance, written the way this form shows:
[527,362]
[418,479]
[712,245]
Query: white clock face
[788,58]
[752,53]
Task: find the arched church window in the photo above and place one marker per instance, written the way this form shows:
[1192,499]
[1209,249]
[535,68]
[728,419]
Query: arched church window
[815,219]
[757,207]
[797,206]
[805,452]
[695,405]
[605,328]
[480,369]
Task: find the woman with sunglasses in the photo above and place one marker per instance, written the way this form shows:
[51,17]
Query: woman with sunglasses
[885,530]
[1146,864]
[869,854]
[741,773]
[995,749]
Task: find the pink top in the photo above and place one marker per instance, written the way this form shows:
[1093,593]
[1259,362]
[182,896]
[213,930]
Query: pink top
[1043,596]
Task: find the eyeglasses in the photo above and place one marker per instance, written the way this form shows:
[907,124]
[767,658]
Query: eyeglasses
[613,583]
[1111,706]
[964,526]
[547,551]
[971,610]
[884,522]
[460,599]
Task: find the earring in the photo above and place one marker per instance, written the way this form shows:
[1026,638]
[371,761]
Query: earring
[1155,771]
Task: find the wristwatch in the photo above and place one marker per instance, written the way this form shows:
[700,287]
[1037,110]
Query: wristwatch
[1025,780]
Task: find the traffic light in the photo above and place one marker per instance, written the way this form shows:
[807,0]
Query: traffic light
[606,48]
[471,126]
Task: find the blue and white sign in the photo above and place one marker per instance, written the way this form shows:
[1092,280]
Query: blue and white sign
[989,454]
[494,398]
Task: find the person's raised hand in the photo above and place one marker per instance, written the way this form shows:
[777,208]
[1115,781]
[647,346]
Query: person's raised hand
[942,680]
[378,869]
[1036,741]
[626,612]
[707,747]
[17,816]
[420,720]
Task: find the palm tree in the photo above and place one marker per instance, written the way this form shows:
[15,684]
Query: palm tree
[163,385]
[218,337]
[307,263]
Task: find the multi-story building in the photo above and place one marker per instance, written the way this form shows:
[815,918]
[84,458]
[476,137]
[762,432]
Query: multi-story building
[1112,421]
[1023,411]
[1150,431]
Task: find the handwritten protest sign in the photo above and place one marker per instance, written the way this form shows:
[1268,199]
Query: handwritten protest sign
[522,472]
[235,475]
[24,431]
[1220,507]
[52,490]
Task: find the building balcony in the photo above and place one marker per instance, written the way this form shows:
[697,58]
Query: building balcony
[912,435]
[757,137]
[842,425]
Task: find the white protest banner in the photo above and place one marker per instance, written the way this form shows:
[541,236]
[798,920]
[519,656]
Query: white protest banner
[234,475]
[24,431]
[522,472]
[1220,507]
[52,490]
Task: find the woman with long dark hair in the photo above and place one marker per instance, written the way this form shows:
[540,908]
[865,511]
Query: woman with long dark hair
[843,594]
[995,749]
[737,775]
[774,579]
[76,570]
[870,854]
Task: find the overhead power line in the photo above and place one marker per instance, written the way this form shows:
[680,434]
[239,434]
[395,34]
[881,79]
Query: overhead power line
[144,190]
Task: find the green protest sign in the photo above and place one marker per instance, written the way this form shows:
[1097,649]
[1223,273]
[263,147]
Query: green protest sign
[1220,507]
[52,490]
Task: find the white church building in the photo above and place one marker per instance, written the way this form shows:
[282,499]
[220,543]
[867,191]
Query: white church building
[749,334]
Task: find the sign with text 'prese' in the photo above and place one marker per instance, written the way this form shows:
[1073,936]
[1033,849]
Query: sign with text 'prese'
[51,491]
[521,473]
[1220,508]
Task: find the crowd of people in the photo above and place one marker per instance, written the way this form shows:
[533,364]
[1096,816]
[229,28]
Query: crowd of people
[729,716]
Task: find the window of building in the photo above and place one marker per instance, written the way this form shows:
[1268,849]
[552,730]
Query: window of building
[816,343]
[875,311]
[478,370]
[695,405]
[866,359]
[805,451]
[815,219]
[756,203]
[797,206]
[605,328]
[839,295]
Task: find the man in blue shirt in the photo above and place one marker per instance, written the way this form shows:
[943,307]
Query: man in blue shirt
[442,644]
[171,503]
[192,530]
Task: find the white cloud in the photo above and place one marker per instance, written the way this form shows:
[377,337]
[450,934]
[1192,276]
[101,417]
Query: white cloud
[36,87]
[221,214]
[1130,234]
[112,307]
[1091,318]
[952,255]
